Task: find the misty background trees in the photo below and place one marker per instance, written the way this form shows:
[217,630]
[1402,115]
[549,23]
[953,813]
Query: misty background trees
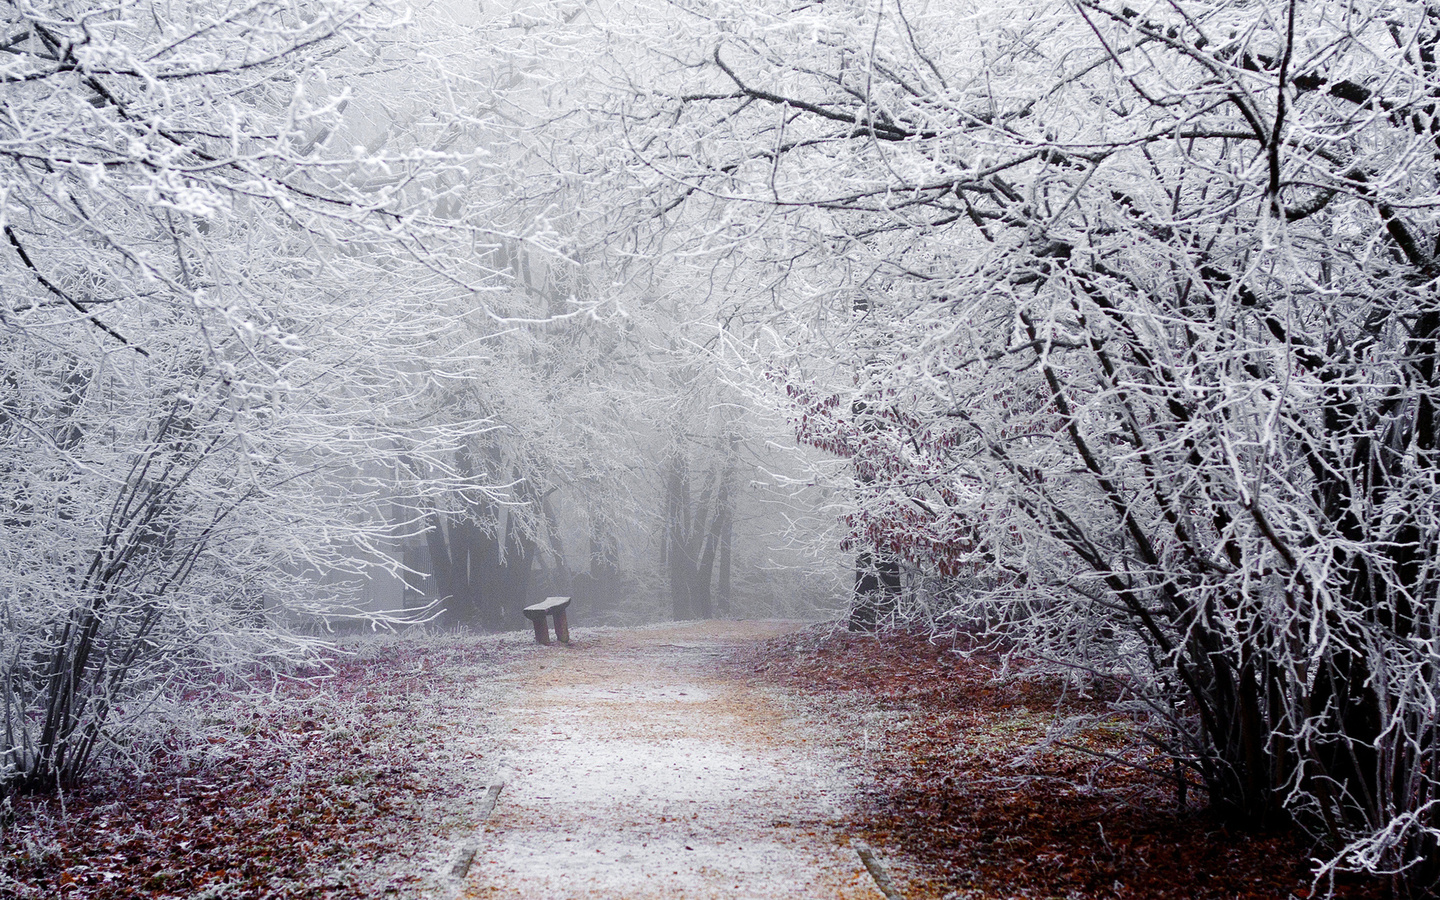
[1105,332]
[285,330]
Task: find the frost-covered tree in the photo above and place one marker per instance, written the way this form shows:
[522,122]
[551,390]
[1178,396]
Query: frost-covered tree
[1148,349]
[230,273]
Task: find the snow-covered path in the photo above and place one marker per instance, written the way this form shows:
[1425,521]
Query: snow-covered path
[634,769]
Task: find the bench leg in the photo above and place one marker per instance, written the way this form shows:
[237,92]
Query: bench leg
[562,627]
[542,629]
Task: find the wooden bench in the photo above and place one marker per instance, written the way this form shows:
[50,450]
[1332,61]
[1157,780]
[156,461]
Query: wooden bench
[550,606]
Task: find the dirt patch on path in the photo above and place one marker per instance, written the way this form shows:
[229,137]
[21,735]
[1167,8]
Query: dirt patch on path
[636,767]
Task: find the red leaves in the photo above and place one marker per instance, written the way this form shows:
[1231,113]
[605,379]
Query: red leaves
[911,498]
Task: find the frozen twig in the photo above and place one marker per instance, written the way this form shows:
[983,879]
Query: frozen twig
[466,856]
[876,867]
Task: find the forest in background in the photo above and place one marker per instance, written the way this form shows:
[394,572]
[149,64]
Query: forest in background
[1104,333]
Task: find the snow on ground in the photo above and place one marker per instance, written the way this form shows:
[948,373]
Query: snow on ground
[634,768]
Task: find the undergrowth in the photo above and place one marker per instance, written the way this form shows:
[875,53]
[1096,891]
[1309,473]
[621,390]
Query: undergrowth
[342,780]
[964,779]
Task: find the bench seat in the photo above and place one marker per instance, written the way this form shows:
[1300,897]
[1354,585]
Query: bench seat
[554,607]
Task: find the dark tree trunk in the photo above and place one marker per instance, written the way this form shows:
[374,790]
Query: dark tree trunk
[877,591]
[475,585]
[678,519]
[727,533]
[599,589]
[694,538]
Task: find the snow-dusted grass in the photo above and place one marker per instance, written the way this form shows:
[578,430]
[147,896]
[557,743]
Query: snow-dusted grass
[354,777]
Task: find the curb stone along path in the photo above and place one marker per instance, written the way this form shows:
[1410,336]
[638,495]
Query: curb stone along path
[634,768]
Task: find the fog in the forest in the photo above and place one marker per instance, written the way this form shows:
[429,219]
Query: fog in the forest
[1107,335]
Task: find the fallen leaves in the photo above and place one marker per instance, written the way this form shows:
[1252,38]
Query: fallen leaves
[960,782]
[332,788]
[327,786]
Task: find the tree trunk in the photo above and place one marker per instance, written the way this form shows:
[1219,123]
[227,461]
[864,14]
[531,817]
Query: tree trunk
[727,532]
[877,591]
[681,565]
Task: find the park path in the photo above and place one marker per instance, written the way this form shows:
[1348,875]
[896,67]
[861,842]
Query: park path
[636,768]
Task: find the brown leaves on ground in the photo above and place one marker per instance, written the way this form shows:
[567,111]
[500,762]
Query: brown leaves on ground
[959,784]
[322,788]
[335,788]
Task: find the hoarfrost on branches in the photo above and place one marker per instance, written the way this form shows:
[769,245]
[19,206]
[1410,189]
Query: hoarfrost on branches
[1134,334]
[225,305]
